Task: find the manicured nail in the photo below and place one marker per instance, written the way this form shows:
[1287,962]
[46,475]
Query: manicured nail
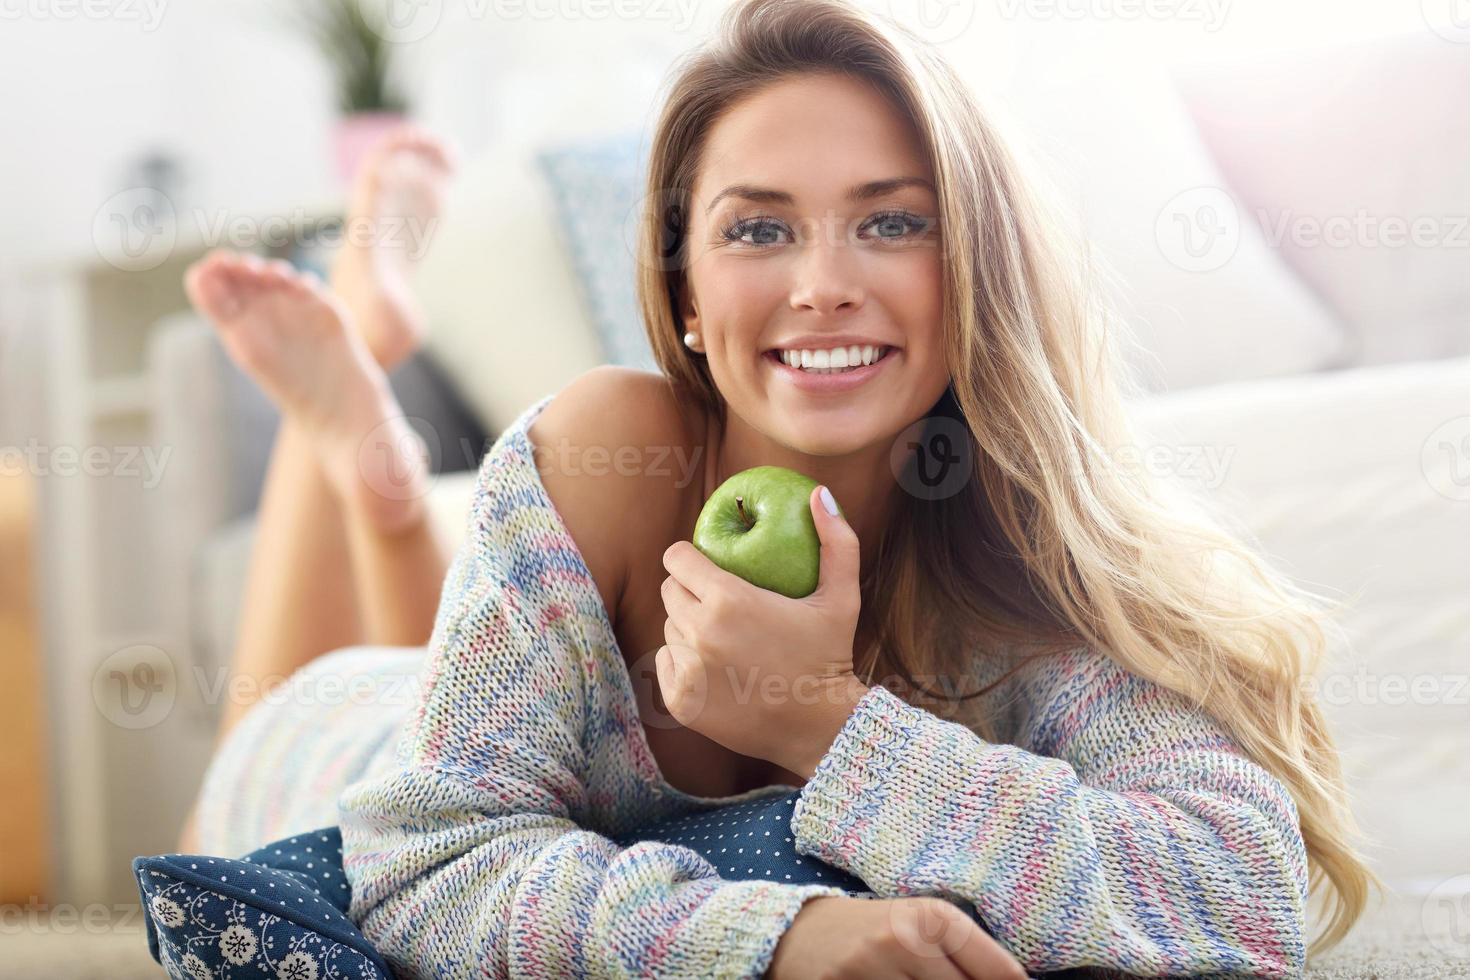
[828,502]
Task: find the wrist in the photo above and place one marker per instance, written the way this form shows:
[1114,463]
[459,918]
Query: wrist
[829,717]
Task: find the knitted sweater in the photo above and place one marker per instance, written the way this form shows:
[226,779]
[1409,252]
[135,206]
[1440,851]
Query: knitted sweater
[1113,827]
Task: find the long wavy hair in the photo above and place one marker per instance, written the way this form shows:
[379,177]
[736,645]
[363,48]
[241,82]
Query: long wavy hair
[1050,545]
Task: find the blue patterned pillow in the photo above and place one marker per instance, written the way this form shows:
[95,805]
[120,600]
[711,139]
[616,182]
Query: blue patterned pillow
[748,840]
[280,911]
[597,187]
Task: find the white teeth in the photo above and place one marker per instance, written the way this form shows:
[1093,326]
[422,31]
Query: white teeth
[834,360]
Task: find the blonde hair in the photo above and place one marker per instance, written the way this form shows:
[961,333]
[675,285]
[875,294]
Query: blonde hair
[1060,546]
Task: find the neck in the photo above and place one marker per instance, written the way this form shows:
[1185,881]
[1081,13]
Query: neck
[862,481]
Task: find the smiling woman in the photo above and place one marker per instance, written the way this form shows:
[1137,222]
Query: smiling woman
[843,272]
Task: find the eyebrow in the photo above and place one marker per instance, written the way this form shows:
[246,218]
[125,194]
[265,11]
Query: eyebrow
[862,192]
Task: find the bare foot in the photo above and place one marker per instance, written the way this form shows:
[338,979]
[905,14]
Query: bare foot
[295,340]
[392,215]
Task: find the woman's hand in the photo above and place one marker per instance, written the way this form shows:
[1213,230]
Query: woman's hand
[763,674]
[923,938]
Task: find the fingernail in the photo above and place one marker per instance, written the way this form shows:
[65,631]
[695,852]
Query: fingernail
[828,502]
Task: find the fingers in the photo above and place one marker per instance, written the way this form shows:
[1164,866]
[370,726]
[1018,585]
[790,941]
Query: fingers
[976,953]
[679,602]
[840,559]
[674,636]
[937,968]
[693,570]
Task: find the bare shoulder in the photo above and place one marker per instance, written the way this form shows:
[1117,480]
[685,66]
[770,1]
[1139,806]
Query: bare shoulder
[612,448]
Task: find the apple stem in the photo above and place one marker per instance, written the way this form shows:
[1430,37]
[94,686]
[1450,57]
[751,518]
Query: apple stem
[740,506]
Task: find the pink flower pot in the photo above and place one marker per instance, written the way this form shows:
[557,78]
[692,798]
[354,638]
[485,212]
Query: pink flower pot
[357,134]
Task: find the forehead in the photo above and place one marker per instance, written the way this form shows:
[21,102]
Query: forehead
[814,136]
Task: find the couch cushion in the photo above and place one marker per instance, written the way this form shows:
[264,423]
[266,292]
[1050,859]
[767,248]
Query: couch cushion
[1357,484]
[1358,179]
[508,323]
[1205,297]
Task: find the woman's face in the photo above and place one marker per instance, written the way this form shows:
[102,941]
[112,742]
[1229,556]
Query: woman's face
[813,228]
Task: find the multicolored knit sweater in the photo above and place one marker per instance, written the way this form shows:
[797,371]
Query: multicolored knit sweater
[1114,827]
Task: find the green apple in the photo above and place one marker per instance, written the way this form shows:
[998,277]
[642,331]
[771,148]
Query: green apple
[758,525]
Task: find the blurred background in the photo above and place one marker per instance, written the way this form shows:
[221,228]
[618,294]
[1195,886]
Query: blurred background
[1279,185]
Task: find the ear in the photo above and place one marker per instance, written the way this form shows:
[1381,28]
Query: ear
[684,302]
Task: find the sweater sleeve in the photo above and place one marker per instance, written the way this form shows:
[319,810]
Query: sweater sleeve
[470,857]
[1124,831]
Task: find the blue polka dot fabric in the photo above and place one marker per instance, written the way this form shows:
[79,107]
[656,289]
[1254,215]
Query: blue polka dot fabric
[280,911]
[746,841]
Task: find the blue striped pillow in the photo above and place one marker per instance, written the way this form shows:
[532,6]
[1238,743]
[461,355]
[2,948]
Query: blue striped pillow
[596,187]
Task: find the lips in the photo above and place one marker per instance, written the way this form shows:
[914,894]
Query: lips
[837,381]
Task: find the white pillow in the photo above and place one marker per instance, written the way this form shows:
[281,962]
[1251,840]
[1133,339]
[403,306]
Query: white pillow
[507,322]
[1358,179]
[1123,152]
[1357,483]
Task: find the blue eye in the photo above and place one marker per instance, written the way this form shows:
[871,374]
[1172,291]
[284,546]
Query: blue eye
[764,232]
[761,230]
[897,225]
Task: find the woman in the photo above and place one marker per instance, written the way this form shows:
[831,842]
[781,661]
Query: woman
[1139,782]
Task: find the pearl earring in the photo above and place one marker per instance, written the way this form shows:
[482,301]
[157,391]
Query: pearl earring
[691,339]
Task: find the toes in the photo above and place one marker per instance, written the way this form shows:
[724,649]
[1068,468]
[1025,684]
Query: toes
[214,290]
[418,142]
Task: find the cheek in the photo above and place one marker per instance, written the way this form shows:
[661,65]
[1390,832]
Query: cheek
[910,287]
[737,301]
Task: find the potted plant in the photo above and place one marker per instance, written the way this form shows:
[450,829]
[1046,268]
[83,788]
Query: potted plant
[361,56]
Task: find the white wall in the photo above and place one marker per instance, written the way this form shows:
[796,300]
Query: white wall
[241,102]
[247,104]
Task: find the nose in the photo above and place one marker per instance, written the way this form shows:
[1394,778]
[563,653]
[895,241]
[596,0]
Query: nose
[828,277]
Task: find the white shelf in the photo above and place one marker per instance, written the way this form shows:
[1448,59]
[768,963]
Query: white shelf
[117,397]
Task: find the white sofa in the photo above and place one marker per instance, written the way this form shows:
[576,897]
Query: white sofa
[1324,391]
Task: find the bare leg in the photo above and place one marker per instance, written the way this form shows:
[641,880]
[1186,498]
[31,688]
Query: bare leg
[394,213]
[300,601]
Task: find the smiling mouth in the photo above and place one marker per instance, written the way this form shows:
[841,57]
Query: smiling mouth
[848,359]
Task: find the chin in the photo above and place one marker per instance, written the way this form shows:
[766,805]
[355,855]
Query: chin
[804,432]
